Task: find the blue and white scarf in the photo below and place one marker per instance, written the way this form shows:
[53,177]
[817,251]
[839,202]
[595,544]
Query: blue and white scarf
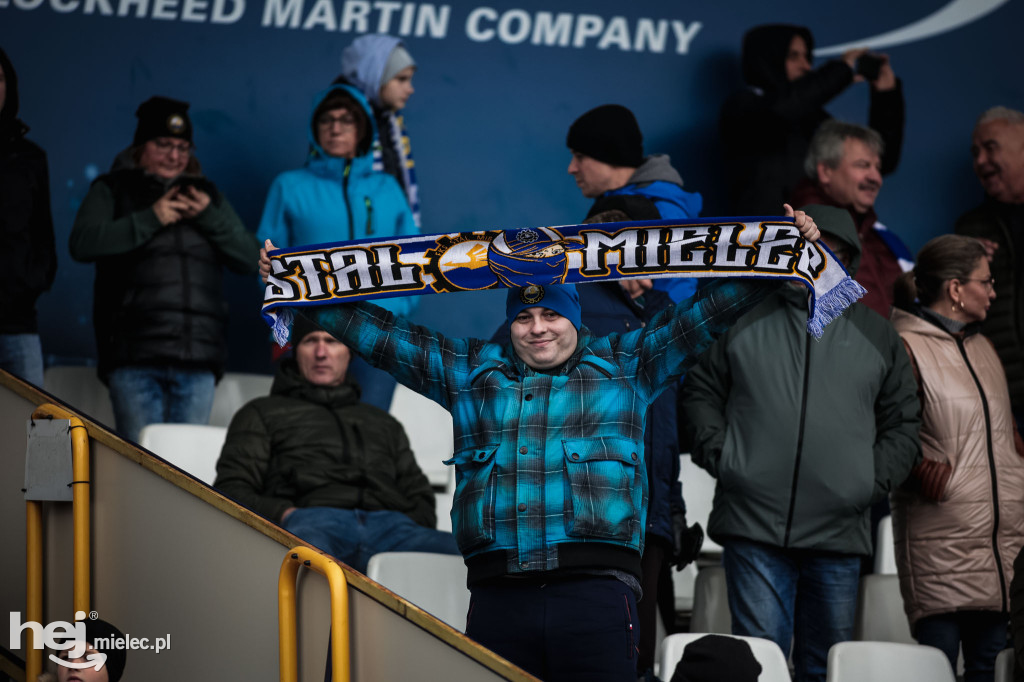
[767,248]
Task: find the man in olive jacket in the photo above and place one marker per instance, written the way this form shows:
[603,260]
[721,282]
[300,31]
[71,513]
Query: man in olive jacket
[802,445]
[333,471]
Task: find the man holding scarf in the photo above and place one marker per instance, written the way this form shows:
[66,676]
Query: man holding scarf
[551,494]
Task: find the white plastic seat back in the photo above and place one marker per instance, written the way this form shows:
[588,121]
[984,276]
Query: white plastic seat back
[233,391]
[683,584]
[434,582]
[429,428]
[880,616]
[1004,666]
[81,388]
[711,602]
[887,662]
[885,548]
[699,495]
[194,448]
[767,653]
[443,506]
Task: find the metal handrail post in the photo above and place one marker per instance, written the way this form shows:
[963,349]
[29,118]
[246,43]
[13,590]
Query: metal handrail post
[81,539]
[287,632]
[33,585]
[79,502]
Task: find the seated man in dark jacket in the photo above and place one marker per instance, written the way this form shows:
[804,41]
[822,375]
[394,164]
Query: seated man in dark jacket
[336,472]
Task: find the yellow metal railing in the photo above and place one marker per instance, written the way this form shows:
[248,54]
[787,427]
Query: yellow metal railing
[34,536]
[338,585]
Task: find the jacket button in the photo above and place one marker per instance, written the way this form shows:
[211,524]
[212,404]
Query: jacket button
[523,450]
[575,455]
[529,396]
[633,456]
[522,507]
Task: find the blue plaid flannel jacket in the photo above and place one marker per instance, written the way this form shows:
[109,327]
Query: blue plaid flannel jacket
[549,467]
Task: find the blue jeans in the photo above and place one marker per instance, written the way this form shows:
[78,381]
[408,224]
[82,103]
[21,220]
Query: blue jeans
[22,356]
[982,633]
[354,535]
[790,596]
[578,629]
[143,395]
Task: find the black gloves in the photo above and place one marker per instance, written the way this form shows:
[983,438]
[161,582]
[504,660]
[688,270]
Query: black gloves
[686,541]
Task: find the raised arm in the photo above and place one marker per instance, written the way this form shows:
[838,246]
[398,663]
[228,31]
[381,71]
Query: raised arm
[676,337]
[418,357]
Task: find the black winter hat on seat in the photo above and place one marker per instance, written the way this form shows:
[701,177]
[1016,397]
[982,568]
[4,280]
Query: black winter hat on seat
[717,657]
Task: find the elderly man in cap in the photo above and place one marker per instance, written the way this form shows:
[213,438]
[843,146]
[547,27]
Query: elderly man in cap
[551,494]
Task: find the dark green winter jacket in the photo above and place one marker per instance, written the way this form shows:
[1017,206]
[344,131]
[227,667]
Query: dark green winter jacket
[803,435]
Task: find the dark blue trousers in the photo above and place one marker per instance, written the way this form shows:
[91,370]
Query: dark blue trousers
[982,634]
[580,629]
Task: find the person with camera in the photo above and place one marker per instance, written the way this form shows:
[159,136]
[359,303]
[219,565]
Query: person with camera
[160,234]
[767,127]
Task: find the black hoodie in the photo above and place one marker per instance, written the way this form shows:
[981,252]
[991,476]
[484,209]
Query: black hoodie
[26,227]
[766,128]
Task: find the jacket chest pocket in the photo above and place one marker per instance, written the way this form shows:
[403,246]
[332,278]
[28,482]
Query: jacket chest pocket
[475,492]
[604,489]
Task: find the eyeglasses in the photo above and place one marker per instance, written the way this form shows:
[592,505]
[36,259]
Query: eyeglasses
[989,283]
[167,146]
[347,121]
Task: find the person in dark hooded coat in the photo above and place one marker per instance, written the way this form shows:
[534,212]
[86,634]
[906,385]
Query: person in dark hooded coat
[27,230]
[766,128]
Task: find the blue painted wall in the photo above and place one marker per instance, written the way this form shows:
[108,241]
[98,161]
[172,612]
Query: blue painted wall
[497,87]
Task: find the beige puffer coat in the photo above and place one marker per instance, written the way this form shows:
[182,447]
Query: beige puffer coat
[957,554]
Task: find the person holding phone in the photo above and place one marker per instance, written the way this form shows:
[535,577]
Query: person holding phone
[767,127]
[160,234]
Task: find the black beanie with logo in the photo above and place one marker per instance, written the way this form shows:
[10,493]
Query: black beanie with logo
[162,117]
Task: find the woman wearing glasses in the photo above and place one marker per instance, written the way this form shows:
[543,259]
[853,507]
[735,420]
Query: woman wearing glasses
[338,196]
[160,234]
[959,520]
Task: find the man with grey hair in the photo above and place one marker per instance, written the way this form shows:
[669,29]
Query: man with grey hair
[844,169]
[998,150]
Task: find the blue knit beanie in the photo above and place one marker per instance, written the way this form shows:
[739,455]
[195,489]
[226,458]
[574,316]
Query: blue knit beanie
[562,298]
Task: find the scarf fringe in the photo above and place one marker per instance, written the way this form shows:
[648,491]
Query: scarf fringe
[832,303]
[282,325]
